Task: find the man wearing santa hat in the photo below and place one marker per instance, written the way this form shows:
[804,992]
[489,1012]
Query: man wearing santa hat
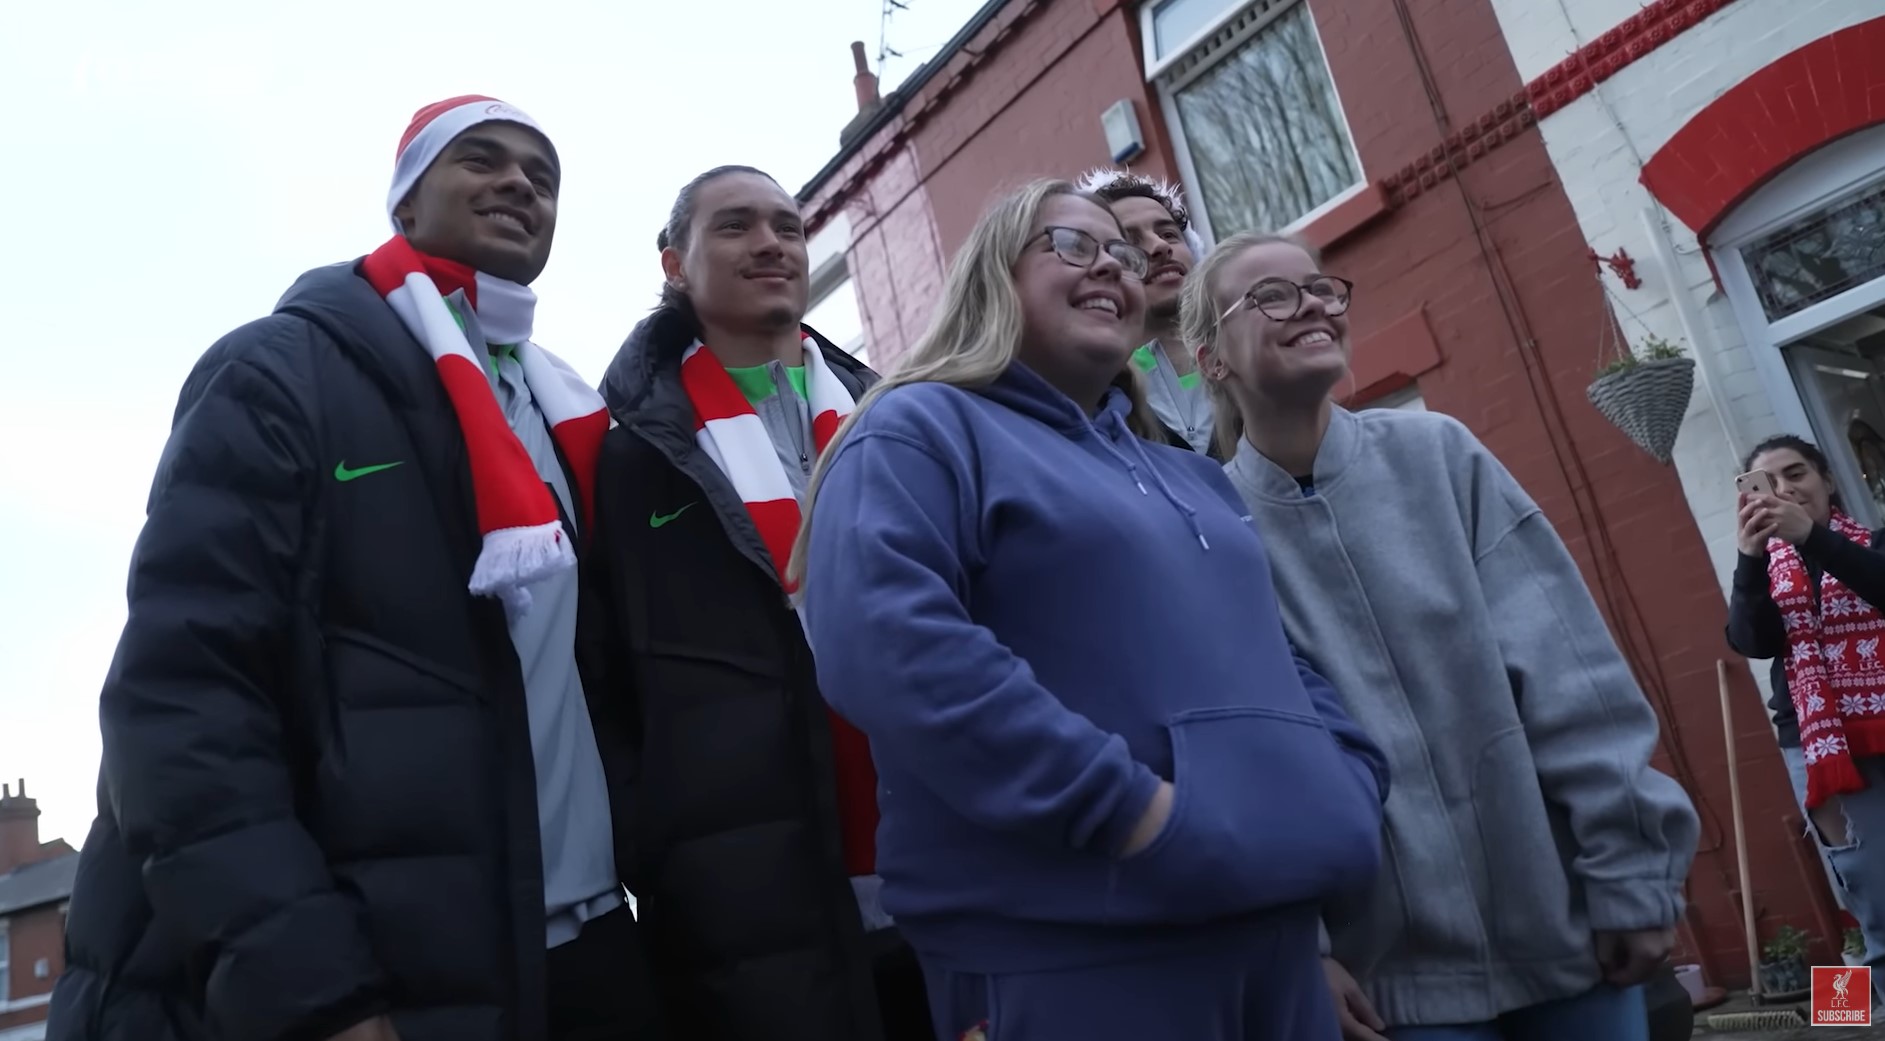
[352,785]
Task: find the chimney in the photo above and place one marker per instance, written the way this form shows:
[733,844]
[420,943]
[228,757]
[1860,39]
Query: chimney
[868,100]
[865,82]
[19,828]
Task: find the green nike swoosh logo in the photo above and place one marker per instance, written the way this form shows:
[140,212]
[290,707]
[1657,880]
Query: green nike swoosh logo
[655,520]
[341,473]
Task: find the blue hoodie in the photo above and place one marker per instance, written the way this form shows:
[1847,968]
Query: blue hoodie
[1035,616]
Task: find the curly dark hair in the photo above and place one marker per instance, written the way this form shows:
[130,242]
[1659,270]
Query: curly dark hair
[1807,449]
[1127,185]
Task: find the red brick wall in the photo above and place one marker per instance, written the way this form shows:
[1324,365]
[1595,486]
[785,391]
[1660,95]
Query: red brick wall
[1664,597]
[1038,118]
[1030,106]
[35,934]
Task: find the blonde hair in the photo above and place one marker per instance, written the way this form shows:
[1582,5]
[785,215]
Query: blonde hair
[975,334]
[1199,323]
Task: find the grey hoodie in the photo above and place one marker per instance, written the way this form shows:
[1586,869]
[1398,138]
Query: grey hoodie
[1428,587]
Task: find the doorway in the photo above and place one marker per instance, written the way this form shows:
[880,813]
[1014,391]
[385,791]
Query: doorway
[1840,375]
[1802,262]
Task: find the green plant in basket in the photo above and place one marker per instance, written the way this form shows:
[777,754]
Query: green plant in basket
[1787,943]
[1653,348]
[1783,963]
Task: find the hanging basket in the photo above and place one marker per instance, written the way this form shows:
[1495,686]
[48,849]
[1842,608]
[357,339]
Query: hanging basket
[1647,401]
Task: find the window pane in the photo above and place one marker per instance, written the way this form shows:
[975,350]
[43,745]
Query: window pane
[1267,140]
[1176,21]
[1843,403]
[836,316]
[1820,257]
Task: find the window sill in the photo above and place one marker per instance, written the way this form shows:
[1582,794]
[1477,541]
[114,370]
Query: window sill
[1343,216]
[1393,357]
[21,1004]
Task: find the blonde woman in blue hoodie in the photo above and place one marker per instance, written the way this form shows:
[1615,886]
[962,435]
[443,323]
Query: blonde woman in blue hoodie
[1534,860]
[1112,797]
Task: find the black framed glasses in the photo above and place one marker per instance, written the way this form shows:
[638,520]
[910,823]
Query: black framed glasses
[1279,299]
[1080,249]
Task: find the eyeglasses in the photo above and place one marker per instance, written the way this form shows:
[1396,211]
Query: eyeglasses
[1279,299]
[1078,248]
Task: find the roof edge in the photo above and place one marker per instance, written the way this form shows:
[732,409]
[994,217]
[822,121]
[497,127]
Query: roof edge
[893,105]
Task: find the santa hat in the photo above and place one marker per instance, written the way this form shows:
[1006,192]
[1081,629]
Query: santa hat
[521,528]
[1170,196]
[437,125]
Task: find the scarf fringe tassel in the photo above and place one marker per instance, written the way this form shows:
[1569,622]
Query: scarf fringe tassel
[1840,774]
[513,558]
[1835,775]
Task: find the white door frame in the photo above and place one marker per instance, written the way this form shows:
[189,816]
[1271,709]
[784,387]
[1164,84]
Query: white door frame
[1831,438]
[1835,171]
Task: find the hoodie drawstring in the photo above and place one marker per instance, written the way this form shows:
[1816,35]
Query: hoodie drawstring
[1118,428]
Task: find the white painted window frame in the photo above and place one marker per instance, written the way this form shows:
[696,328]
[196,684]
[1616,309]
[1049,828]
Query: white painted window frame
[831,271]
[825,281]
[1836,171]
[1167,88]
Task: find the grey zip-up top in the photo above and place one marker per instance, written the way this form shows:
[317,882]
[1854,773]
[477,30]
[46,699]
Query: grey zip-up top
[1179,402]
[1426,585]
[575,819]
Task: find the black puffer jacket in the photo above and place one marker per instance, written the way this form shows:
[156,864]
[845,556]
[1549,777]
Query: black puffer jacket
[749,914]
[317,800]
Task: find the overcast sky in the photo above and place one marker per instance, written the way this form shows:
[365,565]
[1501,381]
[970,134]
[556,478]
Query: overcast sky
[174,165]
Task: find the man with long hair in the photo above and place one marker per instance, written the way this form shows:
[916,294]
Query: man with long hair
[756,874]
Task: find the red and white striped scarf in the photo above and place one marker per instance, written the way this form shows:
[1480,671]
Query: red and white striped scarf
[1833,669]
[518,519]
[735,438]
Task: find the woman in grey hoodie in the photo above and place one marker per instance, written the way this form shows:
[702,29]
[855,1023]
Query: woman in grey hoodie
[1534,861]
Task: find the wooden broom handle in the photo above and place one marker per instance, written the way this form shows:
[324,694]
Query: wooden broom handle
[1740,831]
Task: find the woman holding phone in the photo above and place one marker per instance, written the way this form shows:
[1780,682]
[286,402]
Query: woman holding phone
[1806,594]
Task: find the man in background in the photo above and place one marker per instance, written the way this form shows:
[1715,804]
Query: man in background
[1152,212]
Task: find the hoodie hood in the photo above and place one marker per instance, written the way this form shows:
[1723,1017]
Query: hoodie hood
[337,296]
[1022,390]
[344,305]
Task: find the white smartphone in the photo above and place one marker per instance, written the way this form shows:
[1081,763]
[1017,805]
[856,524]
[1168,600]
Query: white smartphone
[1755,482]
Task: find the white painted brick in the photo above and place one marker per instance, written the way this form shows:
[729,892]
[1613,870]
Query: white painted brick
[1684,75]
[1541,37]
[1745,384]
[1598,143]
[1728,362]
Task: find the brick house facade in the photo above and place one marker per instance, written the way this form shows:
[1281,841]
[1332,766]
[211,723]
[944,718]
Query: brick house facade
[35,883]
[1429,184]
[1733,152]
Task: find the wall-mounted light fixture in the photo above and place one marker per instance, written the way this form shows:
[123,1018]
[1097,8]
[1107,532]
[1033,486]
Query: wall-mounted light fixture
[1123,139]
